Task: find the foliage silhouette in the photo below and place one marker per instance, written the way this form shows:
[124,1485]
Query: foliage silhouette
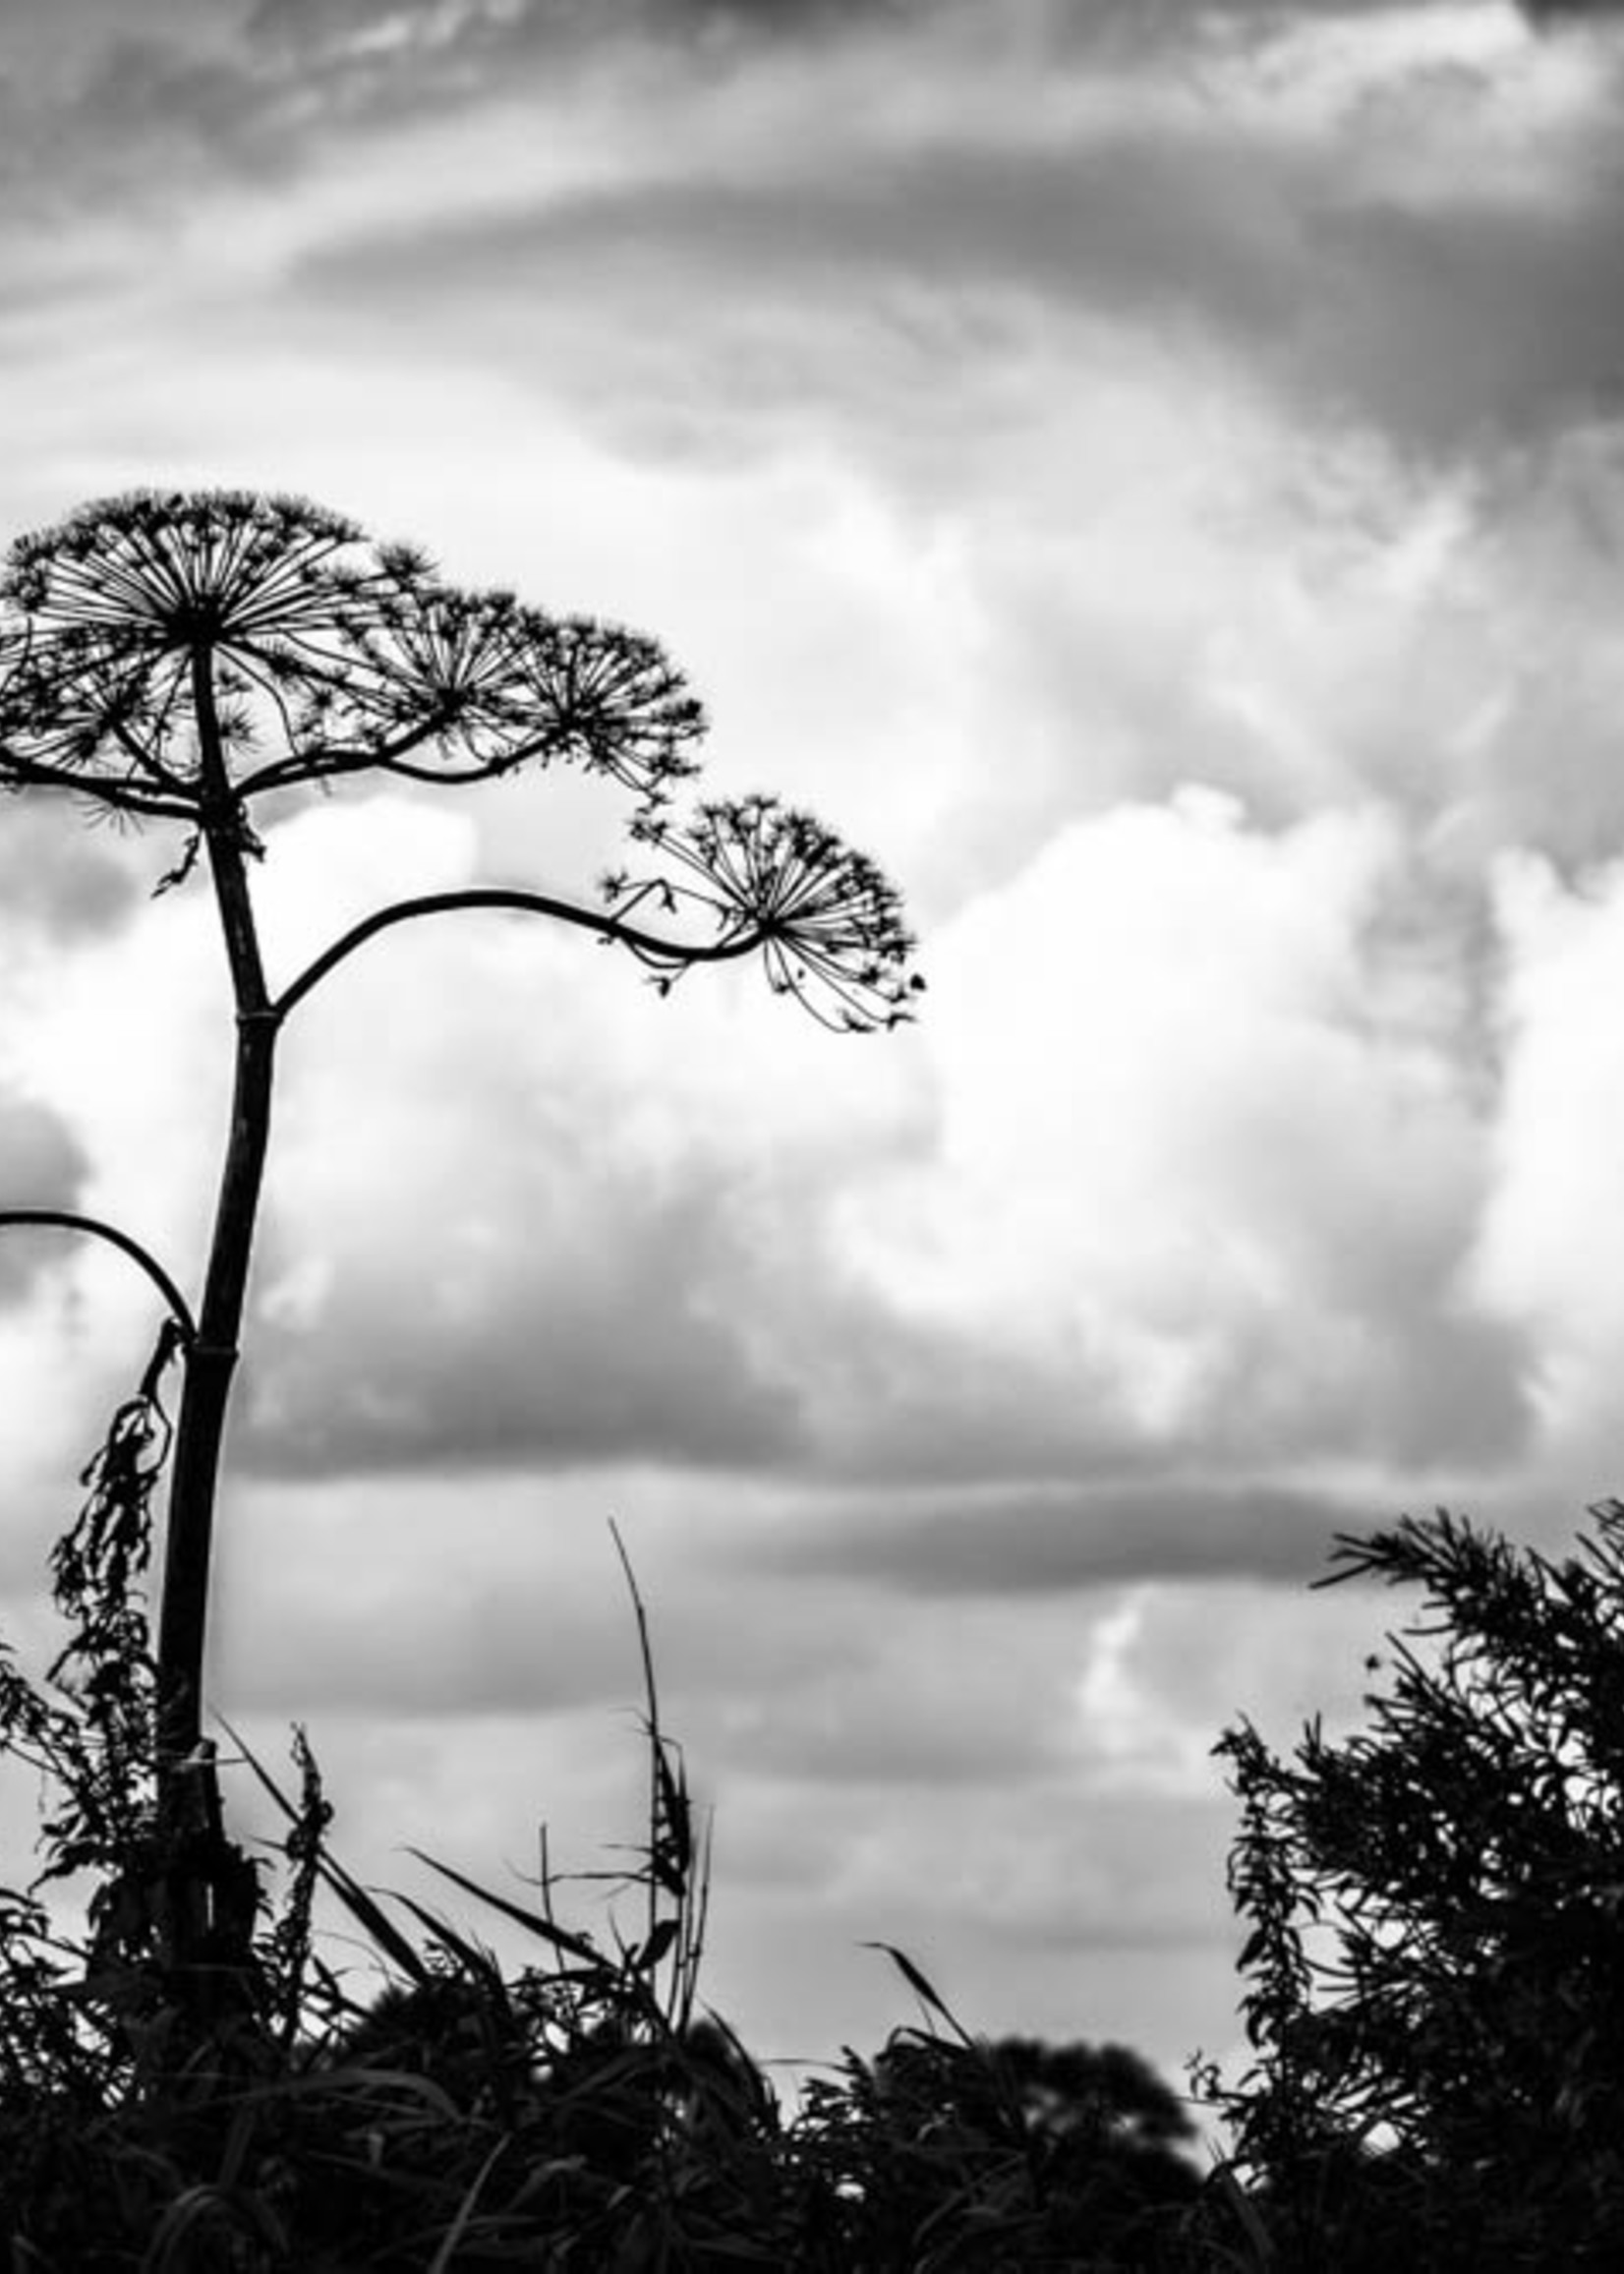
[459,2115]
[1435,1959]
[191,2084]
[178,657]
[582,2110]
[948,2150]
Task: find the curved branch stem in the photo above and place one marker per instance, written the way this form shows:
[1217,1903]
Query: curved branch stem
[319,764]
[674,954]
[69,1220]
[16,770]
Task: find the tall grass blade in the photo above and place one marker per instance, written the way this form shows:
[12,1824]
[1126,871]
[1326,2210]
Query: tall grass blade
[445,2257]
[559,1938]
[922,1989]
[362,1905]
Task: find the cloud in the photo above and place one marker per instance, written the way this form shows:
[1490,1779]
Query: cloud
[1013,417]
[1013,1544]
[1396,216]
[88,103]
[41,1166]
[1206,1161]
[1297,205]
[535,1312]
[1558,13]
[477,1260]
[354,1592]
[1556,1211]
[387,23]
[246,89]
[1181,1177]
[1319,624]
[55,881]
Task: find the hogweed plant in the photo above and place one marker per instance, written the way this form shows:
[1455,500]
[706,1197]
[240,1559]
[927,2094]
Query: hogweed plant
[180,658]
[465,2117]
[190,2082]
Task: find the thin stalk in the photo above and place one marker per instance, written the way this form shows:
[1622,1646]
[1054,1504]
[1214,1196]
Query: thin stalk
[211,1361]
[664,953]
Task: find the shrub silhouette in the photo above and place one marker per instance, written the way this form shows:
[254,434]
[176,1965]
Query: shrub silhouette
[950,2150]
[1436,1960]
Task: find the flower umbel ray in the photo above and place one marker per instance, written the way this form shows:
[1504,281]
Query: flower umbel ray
[828,921]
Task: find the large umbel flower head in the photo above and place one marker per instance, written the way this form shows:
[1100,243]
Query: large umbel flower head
[324,652]
[178,655]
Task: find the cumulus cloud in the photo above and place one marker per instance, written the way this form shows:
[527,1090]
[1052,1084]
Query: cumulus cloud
[1556,1211]
[527,1282]
[1307,623]
[1181,1177]
[41,1166]
[540,1311]
[56,883]
[1266,1257]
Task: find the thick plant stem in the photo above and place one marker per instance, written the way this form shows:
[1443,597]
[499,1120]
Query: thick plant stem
[210,1364]
[211,1360]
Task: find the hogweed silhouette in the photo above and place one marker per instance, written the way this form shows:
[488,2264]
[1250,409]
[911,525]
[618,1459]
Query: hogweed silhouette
[182,657]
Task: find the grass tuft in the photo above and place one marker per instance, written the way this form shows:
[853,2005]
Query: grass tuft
[244,2114]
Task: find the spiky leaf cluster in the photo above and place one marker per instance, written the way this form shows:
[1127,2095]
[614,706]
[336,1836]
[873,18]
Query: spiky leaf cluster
[324,655]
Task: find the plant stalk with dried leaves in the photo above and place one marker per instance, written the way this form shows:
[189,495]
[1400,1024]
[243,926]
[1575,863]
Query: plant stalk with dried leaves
[179,657]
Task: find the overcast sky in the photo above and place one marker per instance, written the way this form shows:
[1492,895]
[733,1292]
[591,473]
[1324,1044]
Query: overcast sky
[1153,476]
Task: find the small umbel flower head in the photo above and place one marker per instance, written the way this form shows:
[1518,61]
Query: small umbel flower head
[828,921]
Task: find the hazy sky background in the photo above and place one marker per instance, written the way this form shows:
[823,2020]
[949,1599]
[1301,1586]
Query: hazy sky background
[1153,475]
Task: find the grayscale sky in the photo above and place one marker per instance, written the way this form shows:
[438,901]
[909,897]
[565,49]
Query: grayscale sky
[1153,475]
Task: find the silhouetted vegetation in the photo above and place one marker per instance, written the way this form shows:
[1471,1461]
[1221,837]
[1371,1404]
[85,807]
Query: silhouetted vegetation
[1436,1960]
[189,2078]
[1433,1994]
[179,657]
[580,2110]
